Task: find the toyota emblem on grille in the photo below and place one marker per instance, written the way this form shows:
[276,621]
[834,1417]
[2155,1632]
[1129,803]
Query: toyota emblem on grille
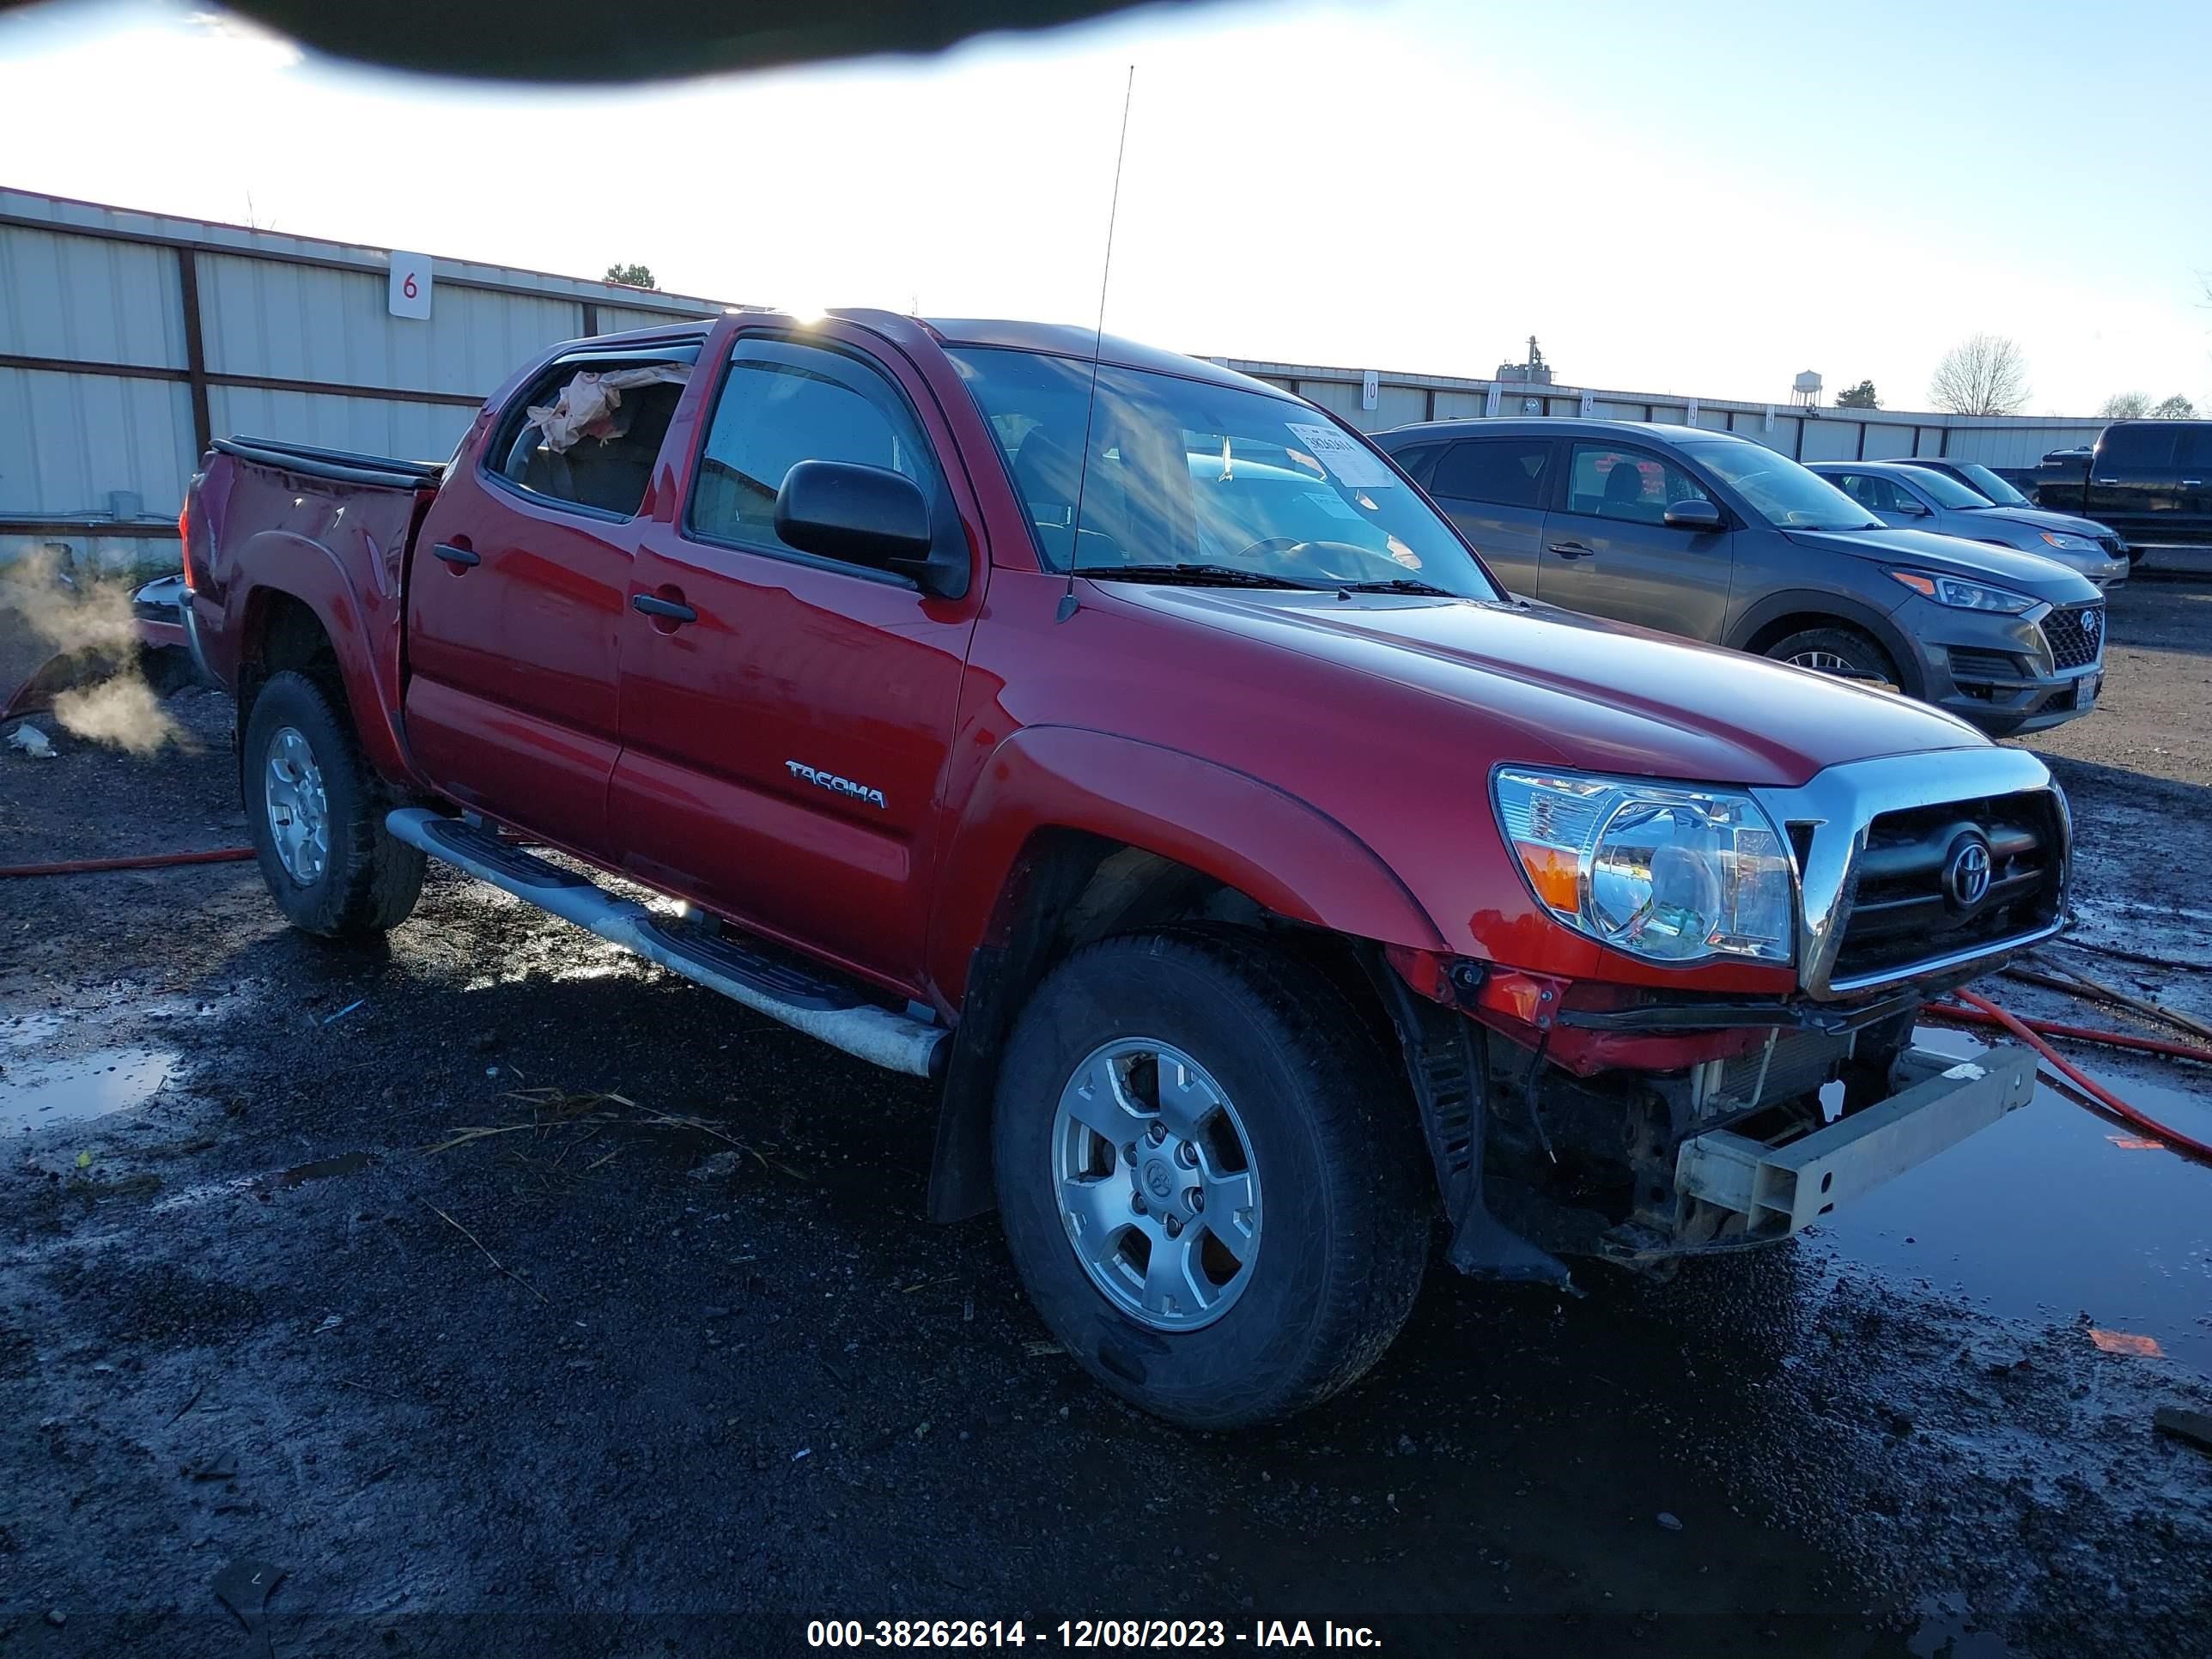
[1967,872]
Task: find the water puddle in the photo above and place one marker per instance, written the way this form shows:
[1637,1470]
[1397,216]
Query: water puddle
[38,1094]
[2055,1212]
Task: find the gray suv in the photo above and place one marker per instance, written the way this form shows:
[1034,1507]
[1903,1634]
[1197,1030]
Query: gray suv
[1711,536]
[1905,496]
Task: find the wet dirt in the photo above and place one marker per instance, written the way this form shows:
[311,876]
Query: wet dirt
[539,1391]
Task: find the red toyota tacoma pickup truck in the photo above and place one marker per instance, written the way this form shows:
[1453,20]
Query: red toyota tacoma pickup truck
[1130,748]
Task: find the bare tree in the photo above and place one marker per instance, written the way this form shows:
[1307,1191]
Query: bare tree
[2125,406]
[2176,408]
[1982,374]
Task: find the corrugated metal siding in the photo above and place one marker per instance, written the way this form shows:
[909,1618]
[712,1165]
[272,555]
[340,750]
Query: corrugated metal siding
[1831,441]
[67,440]
[303,323]
[88,300]
[1885,443]
[375,426]
[616,319]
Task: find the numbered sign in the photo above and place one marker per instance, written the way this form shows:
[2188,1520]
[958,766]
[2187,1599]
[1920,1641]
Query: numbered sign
[411,285]
[1370,390]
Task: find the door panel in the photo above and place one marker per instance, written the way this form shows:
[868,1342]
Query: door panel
[2135,471]
[516,592]
[783,752]
[1493,489]
[512,696]
[1608,553]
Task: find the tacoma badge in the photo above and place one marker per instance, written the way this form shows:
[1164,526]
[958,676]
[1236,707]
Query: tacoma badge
[836,785]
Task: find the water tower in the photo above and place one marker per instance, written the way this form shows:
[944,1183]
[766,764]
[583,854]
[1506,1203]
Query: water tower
[1805,390]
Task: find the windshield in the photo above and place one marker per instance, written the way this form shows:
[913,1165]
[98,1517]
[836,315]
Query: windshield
[1947,489]
[2000,493]
[1779,490]
[1251,487]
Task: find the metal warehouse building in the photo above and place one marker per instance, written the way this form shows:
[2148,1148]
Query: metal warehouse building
[128,340]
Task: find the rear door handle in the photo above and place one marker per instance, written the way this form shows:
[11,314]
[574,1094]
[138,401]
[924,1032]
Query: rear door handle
[1571,549]
[459,557]
[652,604]
[2192,483]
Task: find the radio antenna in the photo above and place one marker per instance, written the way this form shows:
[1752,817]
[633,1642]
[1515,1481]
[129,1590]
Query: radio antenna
[1067,600]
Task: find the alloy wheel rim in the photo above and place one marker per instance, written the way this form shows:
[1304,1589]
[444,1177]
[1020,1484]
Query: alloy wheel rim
[298,807]
[1157,1188]
[1826,661]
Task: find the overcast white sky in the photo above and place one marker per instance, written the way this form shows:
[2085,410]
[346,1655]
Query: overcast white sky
[1700,198]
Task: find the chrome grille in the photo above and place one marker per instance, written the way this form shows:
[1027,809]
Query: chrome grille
[1904,905]
[2113,546]
[2076,636]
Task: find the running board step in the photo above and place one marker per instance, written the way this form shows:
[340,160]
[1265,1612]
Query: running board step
[818,1007]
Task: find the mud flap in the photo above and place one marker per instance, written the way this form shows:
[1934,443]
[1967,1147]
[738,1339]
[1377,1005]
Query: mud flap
[1444,1061]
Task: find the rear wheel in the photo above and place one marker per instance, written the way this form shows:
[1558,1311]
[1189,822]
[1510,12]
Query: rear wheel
[1843,652]
[1209,1176]
[317,817]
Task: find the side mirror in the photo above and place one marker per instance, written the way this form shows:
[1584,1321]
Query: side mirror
[1909,508]
[1702,517]
[866,515]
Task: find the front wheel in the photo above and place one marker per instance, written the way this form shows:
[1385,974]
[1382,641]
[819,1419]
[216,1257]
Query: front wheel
[317,817]
[1843,652]
[1209,1176]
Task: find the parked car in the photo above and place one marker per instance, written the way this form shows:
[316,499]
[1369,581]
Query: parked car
[1719,539]
[1998,484]
[2151,481]
[1249,875]
[1905,495]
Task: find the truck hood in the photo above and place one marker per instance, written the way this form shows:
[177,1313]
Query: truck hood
[1954,555]
[1535,684]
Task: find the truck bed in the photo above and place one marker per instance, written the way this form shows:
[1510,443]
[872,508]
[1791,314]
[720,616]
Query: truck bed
[339,465]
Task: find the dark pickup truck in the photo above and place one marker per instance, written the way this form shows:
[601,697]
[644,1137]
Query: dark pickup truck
[2151,481]
[1131,749]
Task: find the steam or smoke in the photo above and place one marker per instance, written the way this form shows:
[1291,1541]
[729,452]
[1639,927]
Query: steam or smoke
[123,711]
[89,618]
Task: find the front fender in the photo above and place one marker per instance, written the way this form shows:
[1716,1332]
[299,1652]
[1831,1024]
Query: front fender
[1843,608]
[1278,849]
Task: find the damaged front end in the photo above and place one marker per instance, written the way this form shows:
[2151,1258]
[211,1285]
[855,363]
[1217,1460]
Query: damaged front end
[1642,1126]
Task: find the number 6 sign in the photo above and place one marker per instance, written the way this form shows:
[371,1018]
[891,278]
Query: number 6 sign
[411,285]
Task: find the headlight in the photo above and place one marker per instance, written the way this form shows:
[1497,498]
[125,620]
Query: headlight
[1666,873]
[1965,596]
[2066,544]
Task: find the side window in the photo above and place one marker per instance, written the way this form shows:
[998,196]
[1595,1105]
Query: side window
[2193,448]
[783,404]
[1504,472]
[1874,493]
[1629,484]
[587,432]
[1415,460]
[2138,446]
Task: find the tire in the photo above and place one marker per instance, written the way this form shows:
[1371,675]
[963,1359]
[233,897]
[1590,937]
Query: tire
[365,882]
[1342,1201]
[1863,657]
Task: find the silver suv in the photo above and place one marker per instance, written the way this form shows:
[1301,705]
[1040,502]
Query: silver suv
[1908,497]
[1711,536]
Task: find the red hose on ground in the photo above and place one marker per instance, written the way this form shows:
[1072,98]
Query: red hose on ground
[139,861]
[2096,1091]
[2076,1033]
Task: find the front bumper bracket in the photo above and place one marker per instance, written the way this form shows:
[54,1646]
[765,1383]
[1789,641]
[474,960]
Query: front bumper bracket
[1780,1189]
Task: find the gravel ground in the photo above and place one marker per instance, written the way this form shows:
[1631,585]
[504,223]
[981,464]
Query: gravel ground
[506,1296]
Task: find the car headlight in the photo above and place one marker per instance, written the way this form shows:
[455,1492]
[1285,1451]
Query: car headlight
[2066,544]
[1666,873]
[1965,596]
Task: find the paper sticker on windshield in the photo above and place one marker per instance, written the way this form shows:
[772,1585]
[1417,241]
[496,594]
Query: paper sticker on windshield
[1333,504]
[1348,463]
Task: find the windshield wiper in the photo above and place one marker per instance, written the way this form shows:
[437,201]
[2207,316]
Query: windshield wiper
[1197,576]
[1396,585]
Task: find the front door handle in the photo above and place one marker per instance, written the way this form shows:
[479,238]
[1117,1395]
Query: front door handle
[652,604]
[1571,549]
[2192,483]
[460,558]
